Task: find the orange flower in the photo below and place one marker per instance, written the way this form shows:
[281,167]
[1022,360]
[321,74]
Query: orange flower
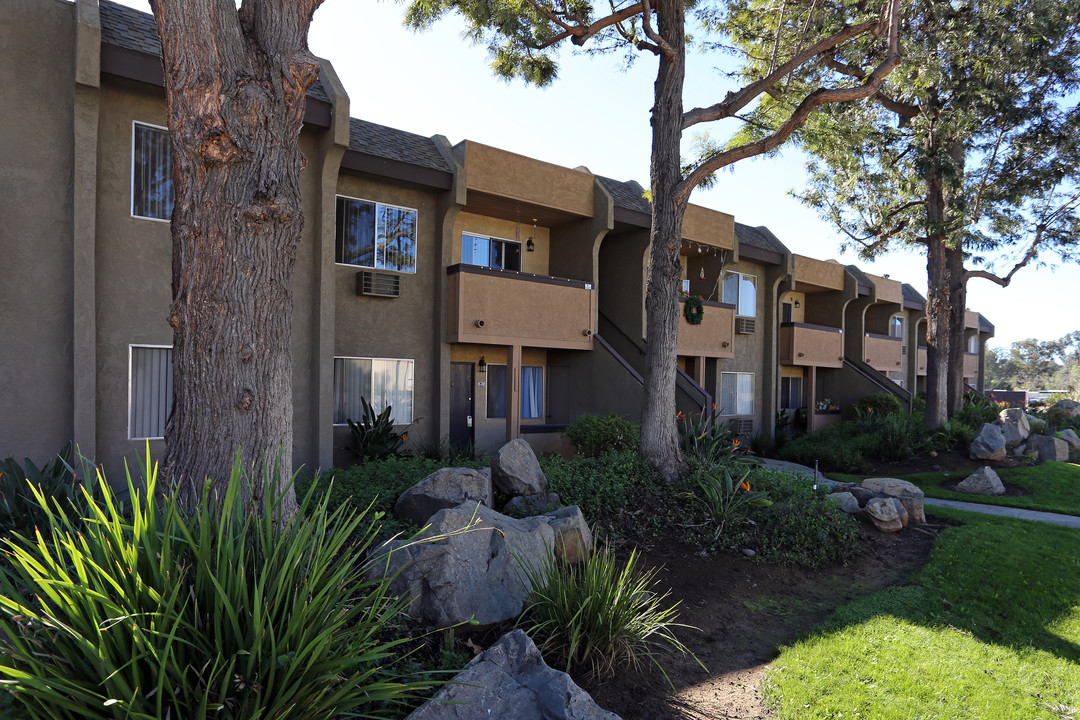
[714,406]
[735,443]
[744,485]
[679,414]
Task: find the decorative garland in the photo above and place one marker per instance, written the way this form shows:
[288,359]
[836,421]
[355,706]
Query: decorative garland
[694,309]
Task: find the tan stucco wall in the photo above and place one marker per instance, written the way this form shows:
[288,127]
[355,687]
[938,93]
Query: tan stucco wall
[535,262]
[36,124]
[709,227]
[518,177]
[819,273]
[749,349]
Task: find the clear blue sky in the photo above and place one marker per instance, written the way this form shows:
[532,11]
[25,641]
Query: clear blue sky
[596,115]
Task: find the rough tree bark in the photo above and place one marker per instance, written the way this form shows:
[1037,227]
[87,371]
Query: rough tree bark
[937,288]
[659,433]
[236,82]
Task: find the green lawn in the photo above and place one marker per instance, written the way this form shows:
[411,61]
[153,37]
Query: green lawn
[989,629]
[1052,487]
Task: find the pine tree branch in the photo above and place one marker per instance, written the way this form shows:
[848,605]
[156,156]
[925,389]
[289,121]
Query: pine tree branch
[735,102]
[1003,281]
[821,96]
[660,44]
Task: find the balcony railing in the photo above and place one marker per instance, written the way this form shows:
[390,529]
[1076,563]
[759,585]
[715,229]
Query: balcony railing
[502,307]
[884,353]
[811,345]
[714,337]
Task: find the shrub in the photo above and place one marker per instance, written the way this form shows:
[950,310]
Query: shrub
[169,613]
[593,435]
[725,499]
[801,526]
[56,479]
[978,409]
[600,615]
[375,436]
[881,404]
[895,437]
[606,488]
[708,440]
[837,449]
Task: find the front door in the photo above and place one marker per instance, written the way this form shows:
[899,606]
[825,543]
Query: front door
[461,405]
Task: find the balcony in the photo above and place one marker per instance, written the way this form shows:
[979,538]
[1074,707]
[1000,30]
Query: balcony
[920,369]
[883,352]
[714,337]
[502,307]
[971,365]
[811,345]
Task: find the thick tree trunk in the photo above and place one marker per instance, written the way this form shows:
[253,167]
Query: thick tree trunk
[954,264]
[937,291]
[659,434]
[236,83]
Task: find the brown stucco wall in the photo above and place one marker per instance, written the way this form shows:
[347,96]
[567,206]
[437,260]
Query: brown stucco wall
[529,180]
[818,273]
[37,83]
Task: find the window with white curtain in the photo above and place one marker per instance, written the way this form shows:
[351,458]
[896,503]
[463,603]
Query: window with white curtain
[150,391]
[736,393]
[532,391]
[382,382]
[740,290]
[151,172]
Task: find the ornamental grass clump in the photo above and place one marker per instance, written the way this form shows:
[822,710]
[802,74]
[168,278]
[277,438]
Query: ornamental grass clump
[225,611]
[601,615]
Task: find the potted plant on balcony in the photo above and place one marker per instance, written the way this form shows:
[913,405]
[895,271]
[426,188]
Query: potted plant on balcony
[693,308]
[827,405]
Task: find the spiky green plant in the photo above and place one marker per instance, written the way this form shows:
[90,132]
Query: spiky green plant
[222,612]
[600,615]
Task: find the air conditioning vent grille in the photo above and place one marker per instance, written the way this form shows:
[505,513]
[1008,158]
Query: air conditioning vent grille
[742,426]
[745,326]
[378,284]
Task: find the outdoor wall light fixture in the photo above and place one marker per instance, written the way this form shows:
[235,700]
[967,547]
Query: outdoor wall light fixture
[798,304]
[530,245]
[482,365]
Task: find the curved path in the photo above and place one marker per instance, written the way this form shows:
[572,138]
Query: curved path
[999,510]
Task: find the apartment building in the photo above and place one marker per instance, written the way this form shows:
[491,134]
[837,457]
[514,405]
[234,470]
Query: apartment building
[481,294]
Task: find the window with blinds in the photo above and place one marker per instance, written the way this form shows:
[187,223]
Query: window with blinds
[151,172]
[736,393]
[383,383]
[150,391]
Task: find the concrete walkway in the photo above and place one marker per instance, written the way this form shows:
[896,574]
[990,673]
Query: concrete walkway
[999,510]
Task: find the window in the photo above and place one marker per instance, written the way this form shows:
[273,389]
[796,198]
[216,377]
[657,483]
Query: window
[790,393]
[741,291]
[490,252]
[532,391]
[383,383]
[151,172]
[896,326]
[787,312]
[375,235]
[973,345]
[736,393]
[150,391]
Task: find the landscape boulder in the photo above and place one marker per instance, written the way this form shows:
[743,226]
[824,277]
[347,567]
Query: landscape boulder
[983,481]
[444,488]
[515,470]
[884,513]
[465,574]
[1014,426]
[526,505]
[1070,437]
[1048,448]
[909,495]
[846,501]
[1071,407]
[573,539]
[862,494]
[989,443]
[511,680]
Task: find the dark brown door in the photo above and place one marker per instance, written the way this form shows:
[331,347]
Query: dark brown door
[462,412]
[558,395]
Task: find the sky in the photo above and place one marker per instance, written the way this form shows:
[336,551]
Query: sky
[596,114]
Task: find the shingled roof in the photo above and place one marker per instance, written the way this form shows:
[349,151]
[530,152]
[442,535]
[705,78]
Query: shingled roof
[911,295]
[760,237]
[393,144]
[128,28]
[627,195]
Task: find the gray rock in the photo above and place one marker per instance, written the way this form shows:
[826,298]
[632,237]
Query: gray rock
[833,486]
[901,511]
[573,539]
[445,488]
[989,443]
[1037,425]
[983,481]
[526,505]
[884,513]
[511,680]
[1070,437]
[1048,448]
[457,576]
[863,495]
[846,501]
[1069,406]
[515,471]
[1014,426]
[909,495]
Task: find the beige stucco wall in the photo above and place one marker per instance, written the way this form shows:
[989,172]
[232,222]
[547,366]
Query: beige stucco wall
[819,273]
[509,175]
[36,124]
[748,349]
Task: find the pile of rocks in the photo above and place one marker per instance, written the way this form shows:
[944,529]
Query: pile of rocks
[1021,434]
[889,504]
